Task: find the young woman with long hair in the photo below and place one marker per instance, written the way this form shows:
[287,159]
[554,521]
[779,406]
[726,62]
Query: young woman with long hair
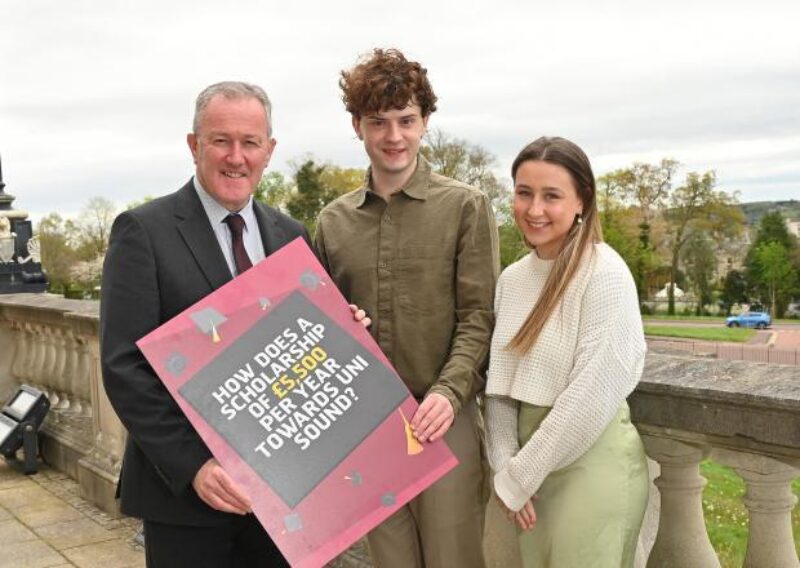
[567,349]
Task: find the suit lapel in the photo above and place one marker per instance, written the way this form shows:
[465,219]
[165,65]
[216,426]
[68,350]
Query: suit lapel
[272,234]
[196,231]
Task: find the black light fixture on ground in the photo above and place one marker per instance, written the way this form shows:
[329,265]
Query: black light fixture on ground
[19,425]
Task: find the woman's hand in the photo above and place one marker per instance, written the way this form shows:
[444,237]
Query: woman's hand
[525,517]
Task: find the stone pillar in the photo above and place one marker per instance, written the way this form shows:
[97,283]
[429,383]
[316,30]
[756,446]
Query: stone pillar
[769,501]
[682,540]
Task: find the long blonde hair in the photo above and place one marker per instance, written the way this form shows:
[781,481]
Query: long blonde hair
[583,234]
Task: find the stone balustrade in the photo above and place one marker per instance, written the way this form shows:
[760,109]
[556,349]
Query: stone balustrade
[745,415]
[52,344]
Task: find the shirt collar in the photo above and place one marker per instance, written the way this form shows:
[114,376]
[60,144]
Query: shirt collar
[216,213]
[415,188]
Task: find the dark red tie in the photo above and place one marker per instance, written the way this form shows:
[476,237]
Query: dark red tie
[236,224]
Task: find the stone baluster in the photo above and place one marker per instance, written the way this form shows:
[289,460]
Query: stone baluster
[769,501]
[71,369]
[59,375]
[45,364]
[20,349]
[24,373]
[82,380]
[39,364]
[682,540]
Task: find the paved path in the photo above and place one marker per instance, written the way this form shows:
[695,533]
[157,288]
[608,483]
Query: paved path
[45,524]
[787,339]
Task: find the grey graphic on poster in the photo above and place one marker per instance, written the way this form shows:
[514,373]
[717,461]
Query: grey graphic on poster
[293,438]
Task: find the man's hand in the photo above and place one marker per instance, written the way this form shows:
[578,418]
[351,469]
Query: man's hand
[218,490]
[360,315]
[433,418]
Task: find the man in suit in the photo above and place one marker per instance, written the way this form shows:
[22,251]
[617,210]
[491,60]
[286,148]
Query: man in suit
[163,257]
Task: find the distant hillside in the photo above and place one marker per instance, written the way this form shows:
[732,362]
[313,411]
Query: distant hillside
[755,210]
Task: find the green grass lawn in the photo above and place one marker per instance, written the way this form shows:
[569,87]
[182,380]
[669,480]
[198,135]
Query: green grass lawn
[735,334]
[726,516]
[677,317]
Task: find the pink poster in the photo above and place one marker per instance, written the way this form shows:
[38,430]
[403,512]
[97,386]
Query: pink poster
[298,403]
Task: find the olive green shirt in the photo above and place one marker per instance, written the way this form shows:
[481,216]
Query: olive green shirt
[423,265]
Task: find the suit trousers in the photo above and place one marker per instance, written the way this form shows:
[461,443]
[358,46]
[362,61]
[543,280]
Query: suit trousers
[443,526]
[240,542]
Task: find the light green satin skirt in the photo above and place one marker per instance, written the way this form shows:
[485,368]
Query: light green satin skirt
[590,512]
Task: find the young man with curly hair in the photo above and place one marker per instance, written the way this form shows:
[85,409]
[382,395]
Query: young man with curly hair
[419,252]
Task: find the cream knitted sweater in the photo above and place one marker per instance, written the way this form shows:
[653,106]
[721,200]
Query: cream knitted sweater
[587,359]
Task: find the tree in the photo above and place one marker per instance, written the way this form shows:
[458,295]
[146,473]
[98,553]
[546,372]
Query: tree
[697,207]
[274,190]
[311,188]
[310,194]
[69,243]
[776,274]
[87,274]
[469,163]
[57,239]
[95,222]
[339,181]
[734,290]
[700,261]
[648,187]
[613,212]
[772,230]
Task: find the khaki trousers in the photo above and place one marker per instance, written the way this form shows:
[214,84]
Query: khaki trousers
[443,526]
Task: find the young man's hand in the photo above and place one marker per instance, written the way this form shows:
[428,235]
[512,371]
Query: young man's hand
[360,315]
[433,418]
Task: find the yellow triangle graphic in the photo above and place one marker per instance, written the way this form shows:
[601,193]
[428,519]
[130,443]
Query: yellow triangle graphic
[215,334]
[413,447]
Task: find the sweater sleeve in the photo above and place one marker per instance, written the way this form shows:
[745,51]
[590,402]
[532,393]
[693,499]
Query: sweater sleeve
[502,440]
[609,359]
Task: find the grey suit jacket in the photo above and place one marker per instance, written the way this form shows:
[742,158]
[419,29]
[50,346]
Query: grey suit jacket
[162,258]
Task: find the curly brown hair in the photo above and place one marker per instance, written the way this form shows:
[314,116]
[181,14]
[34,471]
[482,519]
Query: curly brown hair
[386,80]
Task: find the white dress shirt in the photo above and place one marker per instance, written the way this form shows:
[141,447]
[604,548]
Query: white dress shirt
[251,235]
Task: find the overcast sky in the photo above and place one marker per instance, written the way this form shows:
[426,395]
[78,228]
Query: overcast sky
[96,97]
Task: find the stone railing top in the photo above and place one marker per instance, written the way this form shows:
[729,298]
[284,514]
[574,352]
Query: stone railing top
[739,382]
[82,316]
[735,404]
[49,303]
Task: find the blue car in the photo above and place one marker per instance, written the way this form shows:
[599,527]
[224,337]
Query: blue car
[758,320]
